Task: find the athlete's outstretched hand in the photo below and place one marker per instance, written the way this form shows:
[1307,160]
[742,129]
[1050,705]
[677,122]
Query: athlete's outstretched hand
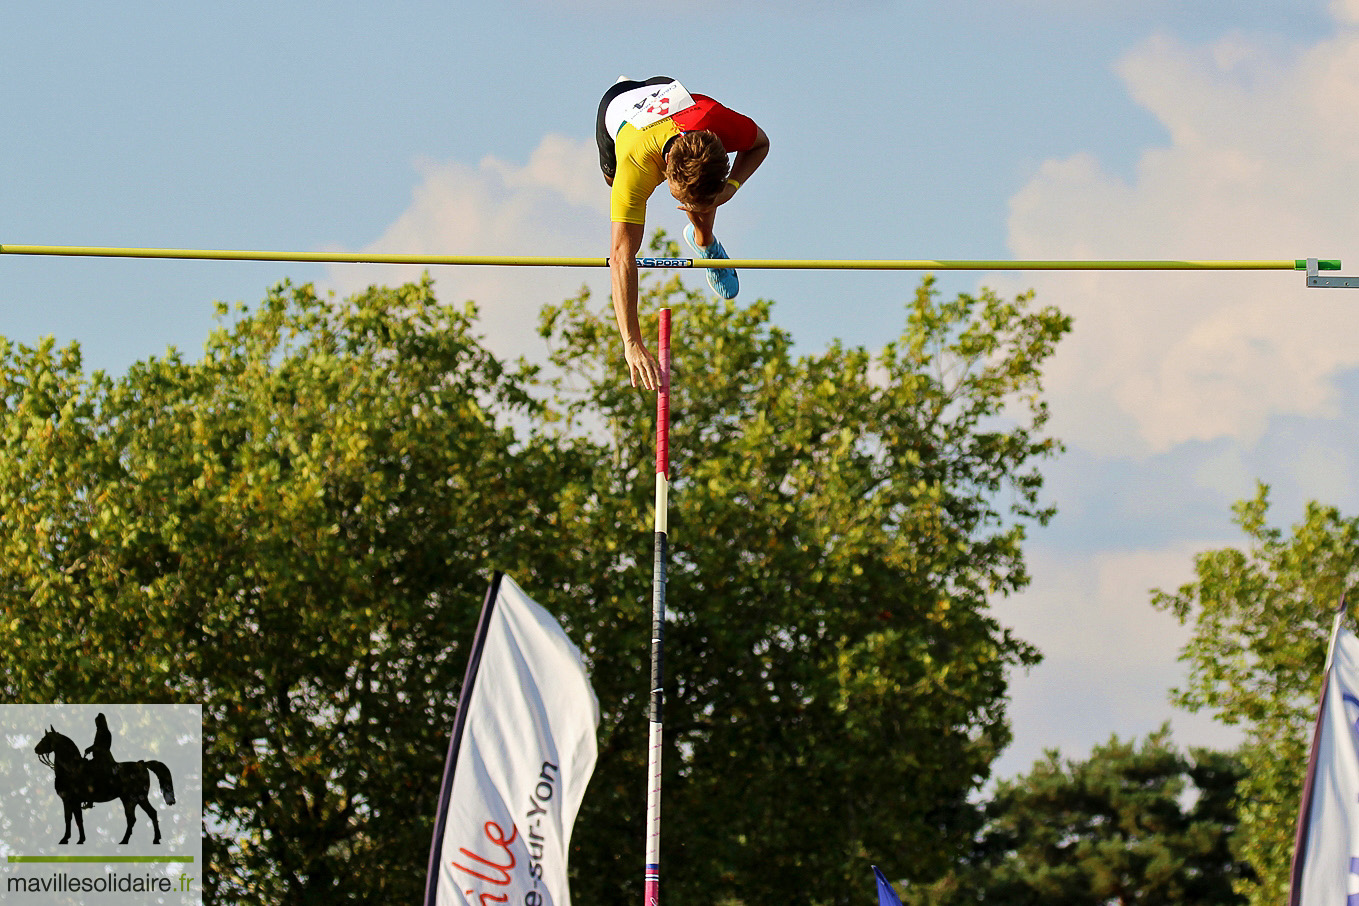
[642,364]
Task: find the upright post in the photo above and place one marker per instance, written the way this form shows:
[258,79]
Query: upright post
[653,798]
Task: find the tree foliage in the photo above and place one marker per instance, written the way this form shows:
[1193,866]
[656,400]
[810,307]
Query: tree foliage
[297,531]
[1129,825]
[1261,618]
[294,531]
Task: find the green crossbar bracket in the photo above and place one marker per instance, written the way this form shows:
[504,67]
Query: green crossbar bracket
[1314,277]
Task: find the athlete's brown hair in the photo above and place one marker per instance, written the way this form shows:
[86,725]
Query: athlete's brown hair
[696,166]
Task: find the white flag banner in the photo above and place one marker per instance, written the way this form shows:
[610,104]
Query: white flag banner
[1326,859]
[522,752]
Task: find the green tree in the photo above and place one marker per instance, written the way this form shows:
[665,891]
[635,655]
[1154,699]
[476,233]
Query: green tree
[1128,825]
[294,531]
[1261,619]
[297,530]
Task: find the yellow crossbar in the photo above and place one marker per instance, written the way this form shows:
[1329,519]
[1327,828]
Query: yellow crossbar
[77,251]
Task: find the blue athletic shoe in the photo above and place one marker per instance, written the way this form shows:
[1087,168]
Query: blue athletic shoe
[722,279]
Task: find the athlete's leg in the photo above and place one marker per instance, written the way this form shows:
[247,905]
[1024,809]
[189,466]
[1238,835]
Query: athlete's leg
[703,226]
[699,235]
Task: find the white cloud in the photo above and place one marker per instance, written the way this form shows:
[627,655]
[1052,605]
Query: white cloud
[556,204]
[1113,625]
[1263,163]
[1110,659]
[1346,10]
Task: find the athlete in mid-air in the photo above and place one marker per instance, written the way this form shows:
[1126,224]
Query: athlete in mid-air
[653,132]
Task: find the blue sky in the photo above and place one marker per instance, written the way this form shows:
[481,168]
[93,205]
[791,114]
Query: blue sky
[974,129]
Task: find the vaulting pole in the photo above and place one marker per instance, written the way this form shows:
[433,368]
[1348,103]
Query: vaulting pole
[76,251]
[658,579]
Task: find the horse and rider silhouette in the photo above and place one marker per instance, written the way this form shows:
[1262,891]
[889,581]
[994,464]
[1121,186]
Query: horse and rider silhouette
[82,781]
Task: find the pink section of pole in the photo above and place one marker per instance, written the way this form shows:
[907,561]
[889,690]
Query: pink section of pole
[658,581]
[663,400]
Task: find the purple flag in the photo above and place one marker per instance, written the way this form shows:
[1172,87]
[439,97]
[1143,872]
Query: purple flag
[886,895]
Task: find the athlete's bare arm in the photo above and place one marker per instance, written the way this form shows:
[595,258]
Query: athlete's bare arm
[626,243]
[746,163]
